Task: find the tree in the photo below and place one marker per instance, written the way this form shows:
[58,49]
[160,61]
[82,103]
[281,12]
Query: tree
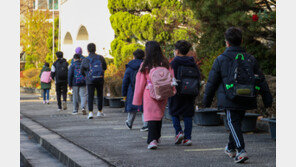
[49,57]
[138,21]
[256,18]
[33,37]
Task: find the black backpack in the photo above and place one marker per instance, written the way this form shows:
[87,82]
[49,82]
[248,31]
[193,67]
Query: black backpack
[188,81]
[241,81]
[61,70]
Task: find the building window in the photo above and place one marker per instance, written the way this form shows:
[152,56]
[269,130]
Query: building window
[46,4]
[82,34]
[68,39]
[56,4]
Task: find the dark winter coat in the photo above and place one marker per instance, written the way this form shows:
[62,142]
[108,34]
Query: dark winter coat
[220,71]
[71,74]
[85,66]
[127,90]
[53,71]
[182,105]
[45,85]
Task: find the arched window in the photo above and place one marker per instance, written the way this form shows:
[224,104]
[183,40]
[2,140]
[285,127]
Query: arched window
[68,39]
[82,34]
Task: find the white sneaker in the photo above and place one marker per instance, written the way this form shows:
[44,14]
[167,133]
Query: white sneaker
[152,145]
[90,115]
[100,114]
[59,110]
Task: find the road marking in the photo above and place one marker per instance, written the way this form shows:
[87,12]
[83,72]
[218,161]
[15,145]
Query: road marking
[120,128]
[161,137]
[207,149]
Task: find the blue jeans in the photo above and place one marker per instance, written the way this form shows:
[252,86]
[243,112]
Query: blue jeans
[187,123]
[79,91]
[45,92]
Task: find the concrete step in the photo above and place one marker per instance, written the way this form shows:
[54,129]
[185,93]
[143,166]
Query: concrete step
[32,154]
[65,151]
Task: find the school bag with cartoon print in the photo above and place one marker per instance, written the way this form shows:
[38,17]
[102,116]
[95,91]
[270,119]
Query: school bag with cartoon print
[78,77]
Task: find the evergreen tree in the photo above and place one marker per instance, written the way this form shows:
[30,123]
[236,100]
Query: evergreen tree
[138,21]
[256,18]
[33,37]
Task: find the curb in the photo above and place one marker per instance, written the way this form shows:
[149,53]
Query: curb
[63,150]
[25,162]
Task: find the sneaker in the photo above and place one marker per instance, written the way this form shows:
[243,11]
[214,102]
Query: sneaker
[179,138]
[75,112]
[59,110]
[64,105]
[187,142]
[47,102]
[100,114]
[44,101]
[230,152]
[83,111]
[152,145]
[144,129]
[241,157]
[128,125]
[90,115]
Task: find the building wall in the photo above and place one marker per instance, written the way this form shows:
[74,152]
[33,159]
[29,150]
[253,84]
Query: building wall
[94,16]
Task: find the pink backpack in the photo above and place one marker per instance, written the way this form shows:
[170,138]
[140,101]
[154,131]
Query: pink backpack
[45,77]
[160,83]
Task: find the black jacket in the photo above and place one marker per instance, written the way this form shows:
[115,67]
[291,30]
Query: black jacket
[53,71]
[127,90]
[220,71]
[71,74]
[182,104]
[85,66]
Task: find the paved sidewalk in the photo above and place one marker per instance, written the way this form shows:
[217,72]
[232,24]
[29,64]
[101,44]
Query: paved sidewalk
[110,139]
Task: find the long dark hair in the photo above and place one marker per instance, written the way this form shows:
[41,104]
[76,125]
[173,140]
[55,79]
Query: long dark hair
[153,57]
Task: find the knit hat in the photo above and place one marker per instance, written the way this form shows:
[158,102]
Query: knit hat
[78,50]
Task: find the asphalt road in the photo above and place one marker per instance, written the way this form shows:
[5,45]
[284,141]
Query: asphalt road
[109,138]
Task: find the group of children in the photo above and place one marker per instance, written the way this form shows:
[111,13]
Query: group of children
[84,76]
[150,82]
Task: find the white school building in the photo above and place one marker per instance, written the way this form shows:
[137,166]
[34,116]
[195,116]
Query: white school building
[83,22]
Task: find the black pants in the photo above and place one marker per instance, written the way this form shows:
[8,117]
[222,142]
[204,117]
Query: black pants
[91,93]
[234,121]
[154,130]
[61,89]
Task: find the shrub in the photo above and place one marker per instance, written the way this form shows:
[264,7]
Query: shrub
[207,63]
[30,78]
[113,81]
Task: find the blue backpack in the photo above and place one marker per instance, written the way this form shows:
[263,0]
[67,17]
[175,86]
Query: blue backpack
[78,77]
[96,71]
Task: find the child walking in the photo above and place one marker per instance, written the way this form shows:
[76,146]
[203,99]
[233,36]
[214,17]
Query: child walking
[237,78]
[77,83]
[182,104]
[128,86]
[45,77]
[153,88]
